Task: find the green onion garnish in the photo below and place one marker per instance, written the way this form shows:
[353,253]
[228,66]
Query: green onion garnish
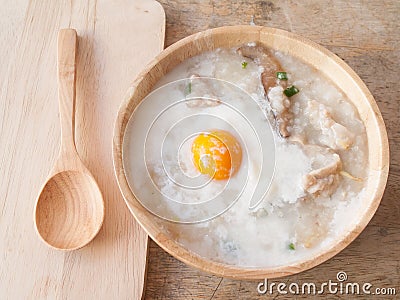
[281,75]
[188,89]
[244,65]
[290,91]
[291,246]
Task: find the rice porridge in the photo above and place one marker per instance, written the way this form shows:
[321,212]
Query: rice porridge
[320,160]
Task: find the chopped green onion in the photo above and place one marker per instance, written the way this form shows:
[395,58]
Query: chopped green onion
[188,89]
[244,65]
[281,75]
[291,246]
[291,91]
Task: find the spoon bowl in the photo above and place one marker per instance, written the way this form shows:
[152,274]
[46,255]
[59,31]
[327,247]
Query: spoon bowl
[70,209]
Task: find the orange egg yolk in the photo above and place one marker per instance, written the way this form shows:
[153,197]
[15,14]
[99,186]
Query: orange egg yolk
[217,154]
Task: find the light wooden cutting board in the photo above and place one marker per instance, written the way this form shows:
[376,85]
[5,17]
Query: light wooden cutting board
[116,40]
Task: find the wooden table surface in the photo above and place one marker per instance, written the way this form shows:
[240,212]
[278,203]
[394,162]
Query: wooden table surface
[363,33]
[366,35]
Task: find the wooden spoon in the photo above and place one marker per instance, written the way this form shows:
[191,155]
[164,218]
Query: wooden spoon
[70,209]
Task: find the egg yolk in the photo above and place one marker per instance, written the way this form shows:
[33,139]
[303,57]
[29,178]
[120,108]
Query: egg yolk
[217,154]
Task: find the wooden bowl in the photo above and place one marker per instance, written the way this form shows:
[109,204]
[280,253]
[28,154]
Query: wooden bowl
[329,64]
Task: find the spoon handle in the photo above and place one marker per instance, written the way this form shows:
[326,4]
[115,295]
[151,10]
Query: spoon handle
[67,43]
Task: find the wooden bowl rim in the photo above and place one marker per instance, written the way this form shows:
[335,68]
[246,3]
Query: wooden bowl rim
[220,269]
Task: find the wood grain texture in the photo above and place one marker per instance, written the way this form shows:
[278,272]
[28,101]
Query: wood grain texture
[365,35]
[110,54]
[70,209]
